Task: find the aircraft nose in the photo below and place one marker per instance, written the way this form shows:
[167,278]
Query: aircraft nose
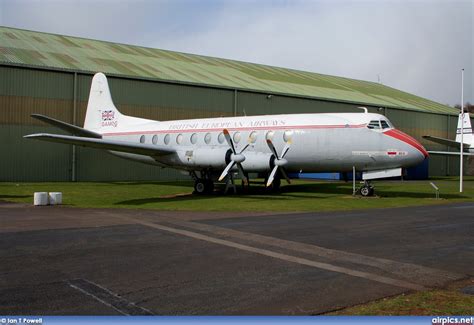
[412,142]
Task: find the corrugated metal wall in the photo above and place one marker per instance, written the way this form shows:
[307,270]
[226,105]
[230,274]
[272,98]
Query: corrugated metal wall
[24,91]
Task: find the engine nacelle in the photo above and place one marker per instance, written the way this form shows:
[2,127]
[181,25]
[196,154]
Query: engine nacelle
[218,158]
[256,161]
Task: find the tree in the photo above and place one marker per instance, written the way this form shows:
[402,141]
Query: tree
[468,107]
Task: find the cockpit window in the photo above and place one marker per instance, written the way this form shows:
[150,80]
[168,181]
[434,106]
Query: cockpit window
[384,124]
[374,124]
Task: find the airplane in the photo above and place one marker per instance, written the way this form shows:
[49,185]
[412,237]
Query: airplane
[216,148]
[468,139]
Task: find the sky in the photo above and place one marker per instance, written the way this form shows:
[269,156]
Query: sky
[415,46]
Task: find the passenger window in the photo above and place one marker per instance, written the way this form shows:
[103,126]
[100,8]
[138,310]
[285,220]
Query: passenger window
[179,139]
[375,125]
[253,137]
[154,139]
[384,124]
[269,135]
[194,138]
[207,138]
[287,135]
[142,139]
[221,138]
[237,137]
[167,139]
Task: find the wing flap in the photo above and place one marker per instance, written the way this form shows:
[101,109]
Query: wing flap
[75,130]
[114,145]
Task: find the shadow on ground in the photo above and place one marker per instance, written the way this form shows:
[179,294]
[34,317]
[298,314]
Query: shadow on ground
[308,191]
[4,196]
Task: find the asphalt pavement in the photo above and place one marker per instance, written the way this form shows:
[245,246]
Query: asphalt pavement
[71,261]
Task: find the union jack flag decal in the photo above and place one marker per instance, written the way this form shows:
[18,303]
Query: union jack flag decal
[108,115]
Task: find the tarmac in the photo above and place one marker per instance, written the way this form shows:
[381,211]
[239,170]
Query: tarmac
[59,260]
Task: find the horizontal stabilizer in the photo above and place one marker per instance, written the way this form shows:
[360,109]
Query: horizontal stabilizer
[446,142]
[450,153]
[75,130]
[113,145]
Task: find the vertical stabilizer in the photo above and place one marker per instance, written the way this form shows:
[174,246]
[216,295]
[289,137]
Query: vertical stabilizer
[101,112]
[465,119]
[102,116]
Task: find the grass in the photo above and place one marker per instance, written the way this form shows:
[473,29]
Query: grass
[300,196]
[448,301]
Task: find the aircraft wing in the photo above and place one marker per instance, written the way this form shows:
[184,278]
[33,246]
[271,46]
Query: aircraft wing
[450,153]
[114,145]
[446,142]
[76,130]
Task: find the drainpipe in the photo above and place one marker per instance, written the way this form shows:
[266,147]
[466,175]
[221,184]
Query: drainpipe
[74,120]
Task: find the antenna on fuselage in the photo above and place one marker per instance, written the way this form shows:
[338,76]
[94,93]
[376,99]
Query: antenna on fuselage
[364,108]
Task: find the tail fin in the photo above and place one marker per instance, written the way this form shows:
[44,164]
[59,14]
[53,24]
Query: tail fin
[465,119]
[102,115]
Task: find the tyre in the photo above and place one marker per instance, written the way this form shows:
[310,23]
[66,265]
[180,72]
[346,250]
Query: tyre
[200,186]
[365,191]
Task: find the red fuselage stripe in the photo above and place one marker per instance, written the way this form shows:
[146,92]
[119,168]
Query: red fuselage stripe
[407,139]
[269,128]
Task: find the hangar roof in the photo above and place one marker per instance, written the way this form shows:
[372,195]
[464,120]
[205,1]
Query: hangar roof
[23,47]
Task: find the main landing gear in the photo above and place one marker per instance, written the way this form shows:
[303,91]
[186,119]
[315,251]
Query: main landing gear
[203,184]
[366,189]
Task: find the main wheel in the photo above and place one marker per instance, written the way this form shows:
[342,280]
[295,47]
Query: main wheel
[200,186]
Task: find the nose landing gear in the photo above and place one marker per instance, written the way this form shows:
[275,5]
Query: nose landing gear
[366,189]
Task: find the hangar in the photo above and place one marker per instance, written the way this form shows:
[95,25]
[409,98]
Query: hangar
[51,74]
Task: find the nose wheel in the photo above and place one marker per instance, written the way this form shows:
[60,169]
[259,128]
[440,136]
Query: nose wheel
[366,189]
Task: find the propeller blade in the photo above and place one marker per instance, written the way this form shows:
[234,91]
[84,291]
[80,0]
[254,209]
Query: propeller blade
[285,149]
[244,148]
[272,176]
[226,170]
[229,140]
[242,173]
[272,148]
[285,175]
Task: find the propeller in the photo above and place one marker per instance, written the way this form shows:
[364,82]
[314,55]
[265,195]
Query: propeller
[279,162]
[235,158]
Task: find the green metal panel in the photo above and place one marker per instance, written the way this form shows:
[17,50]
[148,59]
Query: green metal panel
[97,165]
[438,166]
[27,160]
[35,83]
[262,104]
[147,93]
[77,54]
[418,124]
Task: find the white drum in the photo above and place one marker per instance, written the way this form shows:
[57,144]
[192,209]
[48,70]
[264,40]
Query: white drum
[40,198]
[55,198]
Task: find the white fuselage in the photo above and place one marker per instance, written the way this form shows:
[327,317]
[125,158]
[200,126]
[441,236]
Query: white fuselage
[319,142]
